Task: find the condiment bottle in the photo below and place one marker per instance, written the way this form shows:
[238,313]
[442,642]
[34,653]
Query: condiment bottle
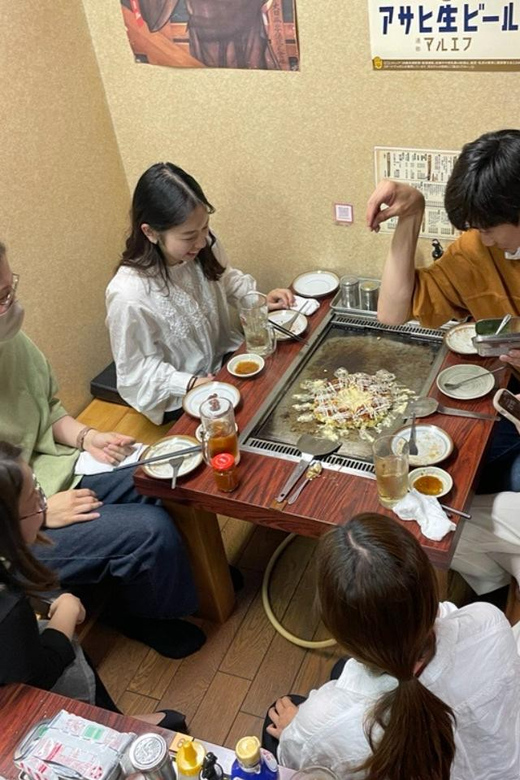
[368,295]
[225,472]
[211,769]
[190,758]
[349,286]
[251,759]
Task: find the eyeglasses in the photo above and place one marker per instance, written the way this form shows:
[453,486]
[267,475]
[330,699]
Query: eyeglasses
[42,499]
[7,299]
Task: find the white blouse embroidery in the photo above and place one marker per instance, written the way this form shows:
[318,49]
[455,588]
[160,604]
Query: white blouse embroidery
[161,336]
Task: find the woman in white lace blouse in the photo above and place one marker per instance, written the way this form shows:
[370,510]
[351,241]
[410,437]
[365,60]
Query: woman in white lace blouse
[168,304]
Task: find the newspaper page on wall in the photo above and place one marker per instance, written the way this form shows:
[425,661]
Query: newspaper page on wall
[446,36]
[429,171]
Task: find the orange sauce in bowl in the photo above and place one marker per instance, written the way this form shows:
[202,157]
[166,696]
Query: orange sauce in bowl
[246,367]
[429,485]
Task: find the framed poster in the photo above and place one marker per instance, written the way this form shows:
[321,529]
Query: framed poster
[248,34]
[439,35]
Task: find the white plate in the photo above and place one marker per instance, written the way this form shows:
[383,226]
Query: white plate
[166,445]
[476,389]
[459,339]
[282,316]
[432,471]
[433,444]
[316,284]
[192,401]
[233,363]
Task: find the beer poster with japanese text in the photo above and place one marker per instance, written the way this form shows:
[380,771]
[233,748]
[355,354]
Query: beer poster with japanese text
[437,35]
[248,34]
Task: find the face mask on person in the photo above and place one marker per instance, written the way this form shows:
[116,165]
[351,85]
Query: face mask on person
[11,321]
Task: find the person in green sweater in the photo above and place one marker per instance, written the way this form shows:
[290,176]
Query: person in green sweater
[101,529]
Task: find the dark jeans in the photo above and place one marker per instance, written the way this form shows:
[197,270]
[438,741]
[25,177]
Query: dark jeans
[501,469]
[271,743]
[134,545]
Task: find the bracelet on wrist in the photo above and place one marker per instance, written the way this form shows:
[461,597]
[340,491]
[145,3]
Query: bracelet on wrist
[80,440]
[191,383]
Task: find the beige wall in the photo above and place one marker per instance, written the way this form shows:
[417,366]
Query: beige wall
[275,150]
[63,192]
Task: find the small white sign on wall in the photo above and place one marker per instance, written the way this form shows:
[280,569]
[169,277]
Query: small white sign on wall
[429,171]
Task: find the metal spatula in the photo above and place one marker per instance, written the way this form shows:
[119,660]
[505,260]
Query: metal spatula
[310,447]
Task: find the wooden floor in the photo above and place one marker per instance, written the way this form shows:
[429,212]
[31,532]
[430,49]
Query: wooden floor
[226,688]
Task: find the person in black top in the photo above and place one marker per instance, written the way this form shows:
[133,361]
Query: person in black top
[50,659]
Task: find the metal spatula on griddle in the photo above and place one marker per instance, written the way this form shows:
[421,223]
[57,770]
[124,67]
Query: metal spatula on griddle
[310,447]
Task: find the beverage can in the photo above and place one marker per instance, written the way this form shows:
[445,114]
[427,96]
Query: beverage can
[148,754]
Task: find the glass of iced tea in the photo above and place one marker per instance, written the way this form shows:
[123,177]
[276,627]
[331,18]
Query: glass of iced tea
[391,464]
[219,430]
[254,316]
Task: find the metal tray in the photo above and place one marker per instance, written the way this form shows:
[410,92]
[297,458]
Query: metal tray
[336,304]
[488,344]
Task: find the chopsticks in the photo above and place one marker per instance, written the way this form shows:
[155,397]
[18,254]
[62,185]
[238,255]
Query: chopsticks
[286,332]
[157,458]
[451,511]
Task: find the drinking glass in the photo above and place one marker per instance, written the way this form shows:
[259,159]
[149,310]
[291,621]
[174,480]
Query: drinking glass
[219,430]
[391,464]
[254,316]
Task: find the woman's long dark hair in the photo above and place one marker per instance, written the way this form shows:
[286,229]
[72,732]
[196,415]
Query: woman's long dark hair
[18,566]
[379,599]
[164,197]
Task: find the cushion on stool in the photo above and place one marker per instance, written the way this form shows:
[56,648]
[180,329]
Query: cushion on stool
[104,386]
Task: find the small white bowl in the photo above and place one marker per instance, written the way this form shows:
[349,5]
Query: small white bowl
[431,471]
[249,356]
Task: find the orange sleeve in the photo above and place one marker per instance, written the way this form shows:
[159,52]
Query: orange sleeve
[439,289]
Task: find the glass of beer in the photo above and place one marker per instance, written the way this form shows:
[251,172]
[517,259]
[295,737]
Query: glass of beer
[254,316]
[219,430]
[391,464]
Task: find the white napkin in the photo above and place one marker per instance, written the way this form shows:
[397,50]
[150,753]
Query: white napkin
[305,305]
[427,511]
[86,465]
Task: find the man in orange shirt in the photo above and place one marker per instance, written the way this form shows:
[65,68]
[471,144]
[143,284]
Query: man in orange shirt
[479,273]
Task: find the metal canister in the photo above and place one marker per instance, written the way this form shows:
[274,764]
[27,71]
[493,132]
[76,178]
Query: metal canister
[349,286]
[368,295]
[148,754]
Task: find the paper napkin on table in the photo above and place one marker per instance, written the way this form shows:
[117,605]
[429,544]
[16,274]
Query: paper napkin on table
[86,465]
[305,305]
[427,511]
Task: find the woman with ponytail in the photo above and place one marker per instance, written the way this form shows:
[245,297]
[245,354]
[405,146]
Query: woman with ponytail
[430,692]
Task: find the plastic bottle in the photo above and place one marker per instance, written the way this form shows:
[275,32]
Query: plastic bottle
[211,769]
[189,760]
[253,762]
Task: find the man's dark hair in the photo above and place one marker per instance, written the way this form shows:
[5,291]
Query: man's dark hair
[484,189]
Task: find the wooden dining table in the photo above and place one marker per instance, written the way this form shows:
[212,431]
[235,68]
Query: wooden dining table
[328,501]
